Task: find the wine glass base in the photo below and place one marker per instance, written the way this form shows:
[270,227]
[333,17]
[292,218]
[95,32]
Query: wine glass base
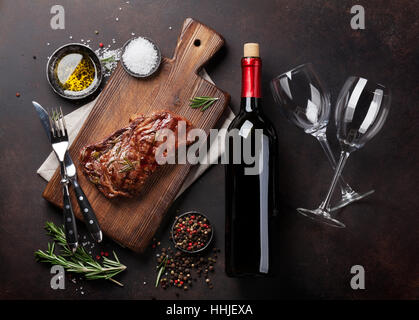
[322,216]
[349,198]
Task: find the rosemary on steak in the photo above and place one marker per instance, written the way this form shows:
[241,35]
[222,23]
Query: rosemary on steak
[128,165]
[202,102]
[80,262]
[96,154]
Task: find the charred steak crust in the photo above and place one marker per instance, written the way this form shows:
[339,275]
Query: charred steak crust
[121,164]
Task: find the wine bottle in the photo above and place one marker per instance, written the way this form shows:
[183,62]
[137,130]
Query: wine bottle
[251,177]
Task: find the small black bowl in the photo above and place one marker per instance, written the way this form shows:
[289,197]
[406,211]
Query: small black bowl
[152,71]
[74,48]
[208,241]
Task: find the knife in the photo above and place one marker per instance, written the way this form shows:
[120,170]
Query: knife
[89,216]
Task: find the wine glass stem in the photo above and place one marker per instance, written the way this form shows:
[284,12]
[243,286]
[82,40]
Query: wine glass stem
[341,164]
[321,137]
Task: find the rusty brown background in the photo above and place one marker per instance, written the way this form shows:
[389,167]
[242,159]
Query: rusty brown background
[312,261]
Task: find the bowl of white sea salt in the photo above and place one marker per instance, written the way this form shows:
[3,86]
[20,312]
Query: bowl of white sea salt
[140,57]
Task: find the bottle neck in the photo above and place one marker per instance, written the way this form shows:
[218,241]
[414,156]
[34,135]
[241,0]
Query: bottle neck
[251,89]
[250,104]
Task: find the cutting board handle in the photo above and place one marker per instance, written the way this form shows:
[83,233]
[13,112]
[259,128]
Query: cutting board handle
[197,43]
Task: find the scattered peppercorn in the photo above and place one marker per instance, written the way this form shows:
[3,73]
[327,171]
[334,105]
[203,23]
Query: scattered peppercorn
[184,268]
[17,94]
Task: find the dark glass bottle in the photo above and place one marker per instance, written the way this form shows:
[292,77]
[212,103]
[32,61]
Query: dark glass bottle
[251,178]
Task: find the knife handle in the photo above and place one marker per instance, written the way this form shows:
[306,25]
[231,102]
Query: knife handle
[88,213]
[70,226]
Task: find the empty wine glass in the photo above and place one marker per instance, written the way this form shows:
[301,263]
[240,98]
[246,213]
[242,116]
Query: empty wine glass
[361,111]
[306,103]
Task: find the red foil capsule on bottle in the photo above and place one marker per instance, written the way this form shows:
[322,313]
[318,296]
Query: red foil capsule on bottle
[251,71]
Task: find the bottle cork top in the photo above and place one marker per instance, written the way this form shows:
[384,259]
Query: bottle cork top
[251,50]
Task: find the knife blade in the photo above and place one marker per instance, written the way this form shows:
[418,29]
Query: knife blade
[43,116]
[70,169]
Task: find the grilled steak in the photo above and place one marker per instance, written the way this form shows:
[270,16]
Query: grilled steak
[121,164]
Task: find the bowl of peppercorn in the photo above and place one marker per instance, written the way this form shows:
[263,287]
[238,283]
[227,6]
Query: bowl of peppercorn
[192,232]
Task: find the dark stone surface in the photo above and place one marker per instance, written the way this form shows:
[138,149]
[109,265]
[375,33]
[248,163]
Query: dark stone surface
[313,261]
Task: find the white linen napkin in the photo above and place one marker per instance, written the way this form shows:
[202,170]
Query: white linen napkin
[75,120]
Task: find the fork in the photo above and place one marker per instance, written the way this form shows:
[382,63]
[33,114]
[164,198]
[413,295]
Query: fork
[59,141]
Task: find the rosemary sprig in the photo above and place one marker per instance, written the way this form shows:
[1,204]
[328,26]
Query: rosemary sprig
[104,62]
[55,116]
[79,262]
[108,59]
[202,102]
[161,269]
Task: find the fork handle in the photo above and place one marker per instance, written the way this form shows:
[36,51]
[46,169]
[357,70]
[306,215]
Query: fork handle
[70,226]
[89,216]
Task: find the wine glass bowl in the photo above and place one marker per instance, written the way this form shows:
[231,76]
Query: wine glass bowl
[303,98]
[361,110]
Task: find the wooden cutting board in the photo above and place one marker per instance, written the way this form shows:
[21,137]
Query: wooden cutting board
[133,222]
